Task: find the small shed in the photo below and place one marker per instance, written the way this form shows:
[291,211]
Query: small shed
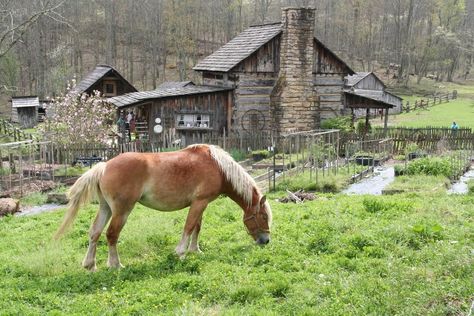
[364,91]
[25,110]
[105,79]
[186,112]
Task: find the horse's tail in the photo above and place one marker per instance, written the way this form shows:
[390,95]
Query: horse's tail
[80,193]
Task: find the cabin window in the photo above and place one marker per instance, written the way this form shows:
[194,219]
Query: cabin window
[110,89]
[193,121]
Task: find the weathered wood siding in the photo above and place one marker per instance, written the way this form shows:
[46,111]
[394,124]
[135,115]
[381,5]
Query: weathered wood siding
[370,83]
[328,80]
[213,104]
[14,116]
[328,90]
[27,116]
[252,101]
[121,86]
[325,62]
[265,60]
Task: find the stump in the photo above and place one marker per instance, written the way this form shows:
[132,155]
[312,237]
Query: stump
[9,206]
[57,198]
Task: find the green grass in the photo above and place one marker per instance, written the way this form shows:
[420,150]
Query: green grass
[442,115]
[329,182]
[420,183]
[405,255]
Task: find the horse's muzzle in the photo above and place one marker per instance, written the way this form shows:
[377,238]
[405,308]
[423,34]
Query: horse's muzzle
[263,238]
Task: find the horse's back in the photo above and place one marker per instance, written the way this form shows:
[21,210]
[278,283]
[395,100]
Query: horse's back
[164,181]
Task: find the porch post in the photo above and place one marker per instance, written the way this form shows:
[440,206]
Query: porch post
[367,113]
[385,122]
[352,117]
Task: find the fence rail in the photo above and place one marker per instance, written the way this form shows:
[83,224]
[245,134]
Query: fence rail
[7,128]
[430,101]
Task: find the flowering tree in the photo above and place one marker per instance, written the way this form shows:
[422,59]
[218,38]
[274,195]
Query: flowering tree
[78,119]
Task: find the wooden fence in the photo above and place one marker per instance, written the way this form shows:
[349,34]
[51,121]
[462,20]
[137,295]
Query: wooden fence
[429,139]
[430,101]
[7,128]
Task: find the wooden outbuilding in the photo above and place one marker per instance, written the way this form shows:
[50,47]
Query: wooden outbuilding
[284,78]
[186,112]
[105,79]
[365,92]
[25,110]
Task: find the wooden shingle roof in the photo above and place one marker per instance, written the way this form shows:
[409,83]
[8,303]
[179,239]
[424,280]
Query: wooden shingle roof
[356,78]
[175,84]
[133,98]
[99,72]
[25,102]
[385,99]
[239,48]
[245,44]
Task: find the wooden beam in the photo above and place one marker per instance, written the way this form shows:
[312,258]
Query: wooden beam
[385,122]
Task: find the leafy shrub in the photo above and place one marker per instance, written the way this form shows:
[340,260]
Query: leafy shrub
[343,123]
[424,233]
[362,129]
[431,166]
[237,154]
[470,187]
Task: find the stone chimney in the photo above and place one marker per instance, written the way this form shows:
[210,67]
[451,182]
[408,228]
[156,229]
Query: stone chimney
[293,97]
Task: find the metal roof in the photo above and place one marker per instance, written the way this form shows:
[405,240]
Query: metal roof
[375,95]
[25,102]
[95,75]
[356,78]
[239,48]
[175,84]
[138,97]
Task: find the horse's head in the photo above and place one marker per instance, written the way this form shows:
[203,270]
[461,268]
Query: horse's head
[258,220]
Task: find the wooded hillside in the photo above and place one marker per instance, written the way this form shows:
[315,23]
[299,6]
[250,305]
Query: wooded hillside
[45,43]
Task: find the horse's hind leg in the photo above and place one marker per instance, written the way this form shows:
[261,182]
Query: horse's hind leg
[192,222]
[119,218]
[101,219]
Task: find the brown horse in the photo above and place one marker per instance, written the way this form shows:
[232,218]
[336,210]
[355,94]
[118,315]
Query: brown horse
[193,177]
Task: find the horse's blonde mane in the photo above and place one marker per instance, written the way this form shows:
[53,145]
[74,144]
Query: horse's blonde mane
[240,180]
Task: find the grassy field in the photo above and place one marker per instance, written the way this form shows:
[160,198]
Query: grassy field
[461,110]
[338,255]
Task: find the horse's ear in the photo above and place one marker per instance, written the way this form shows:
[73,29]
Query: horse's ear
[263,199]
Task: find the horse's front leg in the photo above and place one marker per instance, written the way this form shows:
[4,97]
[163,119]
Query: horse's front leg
[194,246]
[192,222]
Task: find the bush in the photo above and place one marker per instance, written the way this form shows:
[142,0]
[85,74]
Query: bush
[260,154]
[362,129]
[470,187]
[238,155]
[430,166]
[343,123]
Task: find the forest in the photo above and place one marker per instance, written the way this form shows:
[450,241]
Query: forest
[43,44]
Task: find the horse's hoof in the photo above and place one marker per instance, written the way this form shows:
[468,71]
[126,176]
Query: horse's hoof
[115,266]
[92,267]
[197,250]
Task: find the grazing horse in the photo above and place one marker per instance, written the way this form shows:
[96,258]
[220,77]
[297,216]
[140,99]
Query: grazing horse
[193,177]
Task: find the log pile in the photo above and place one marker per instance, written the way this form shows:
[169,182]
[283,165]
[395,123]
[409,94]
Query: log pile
[298,197]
